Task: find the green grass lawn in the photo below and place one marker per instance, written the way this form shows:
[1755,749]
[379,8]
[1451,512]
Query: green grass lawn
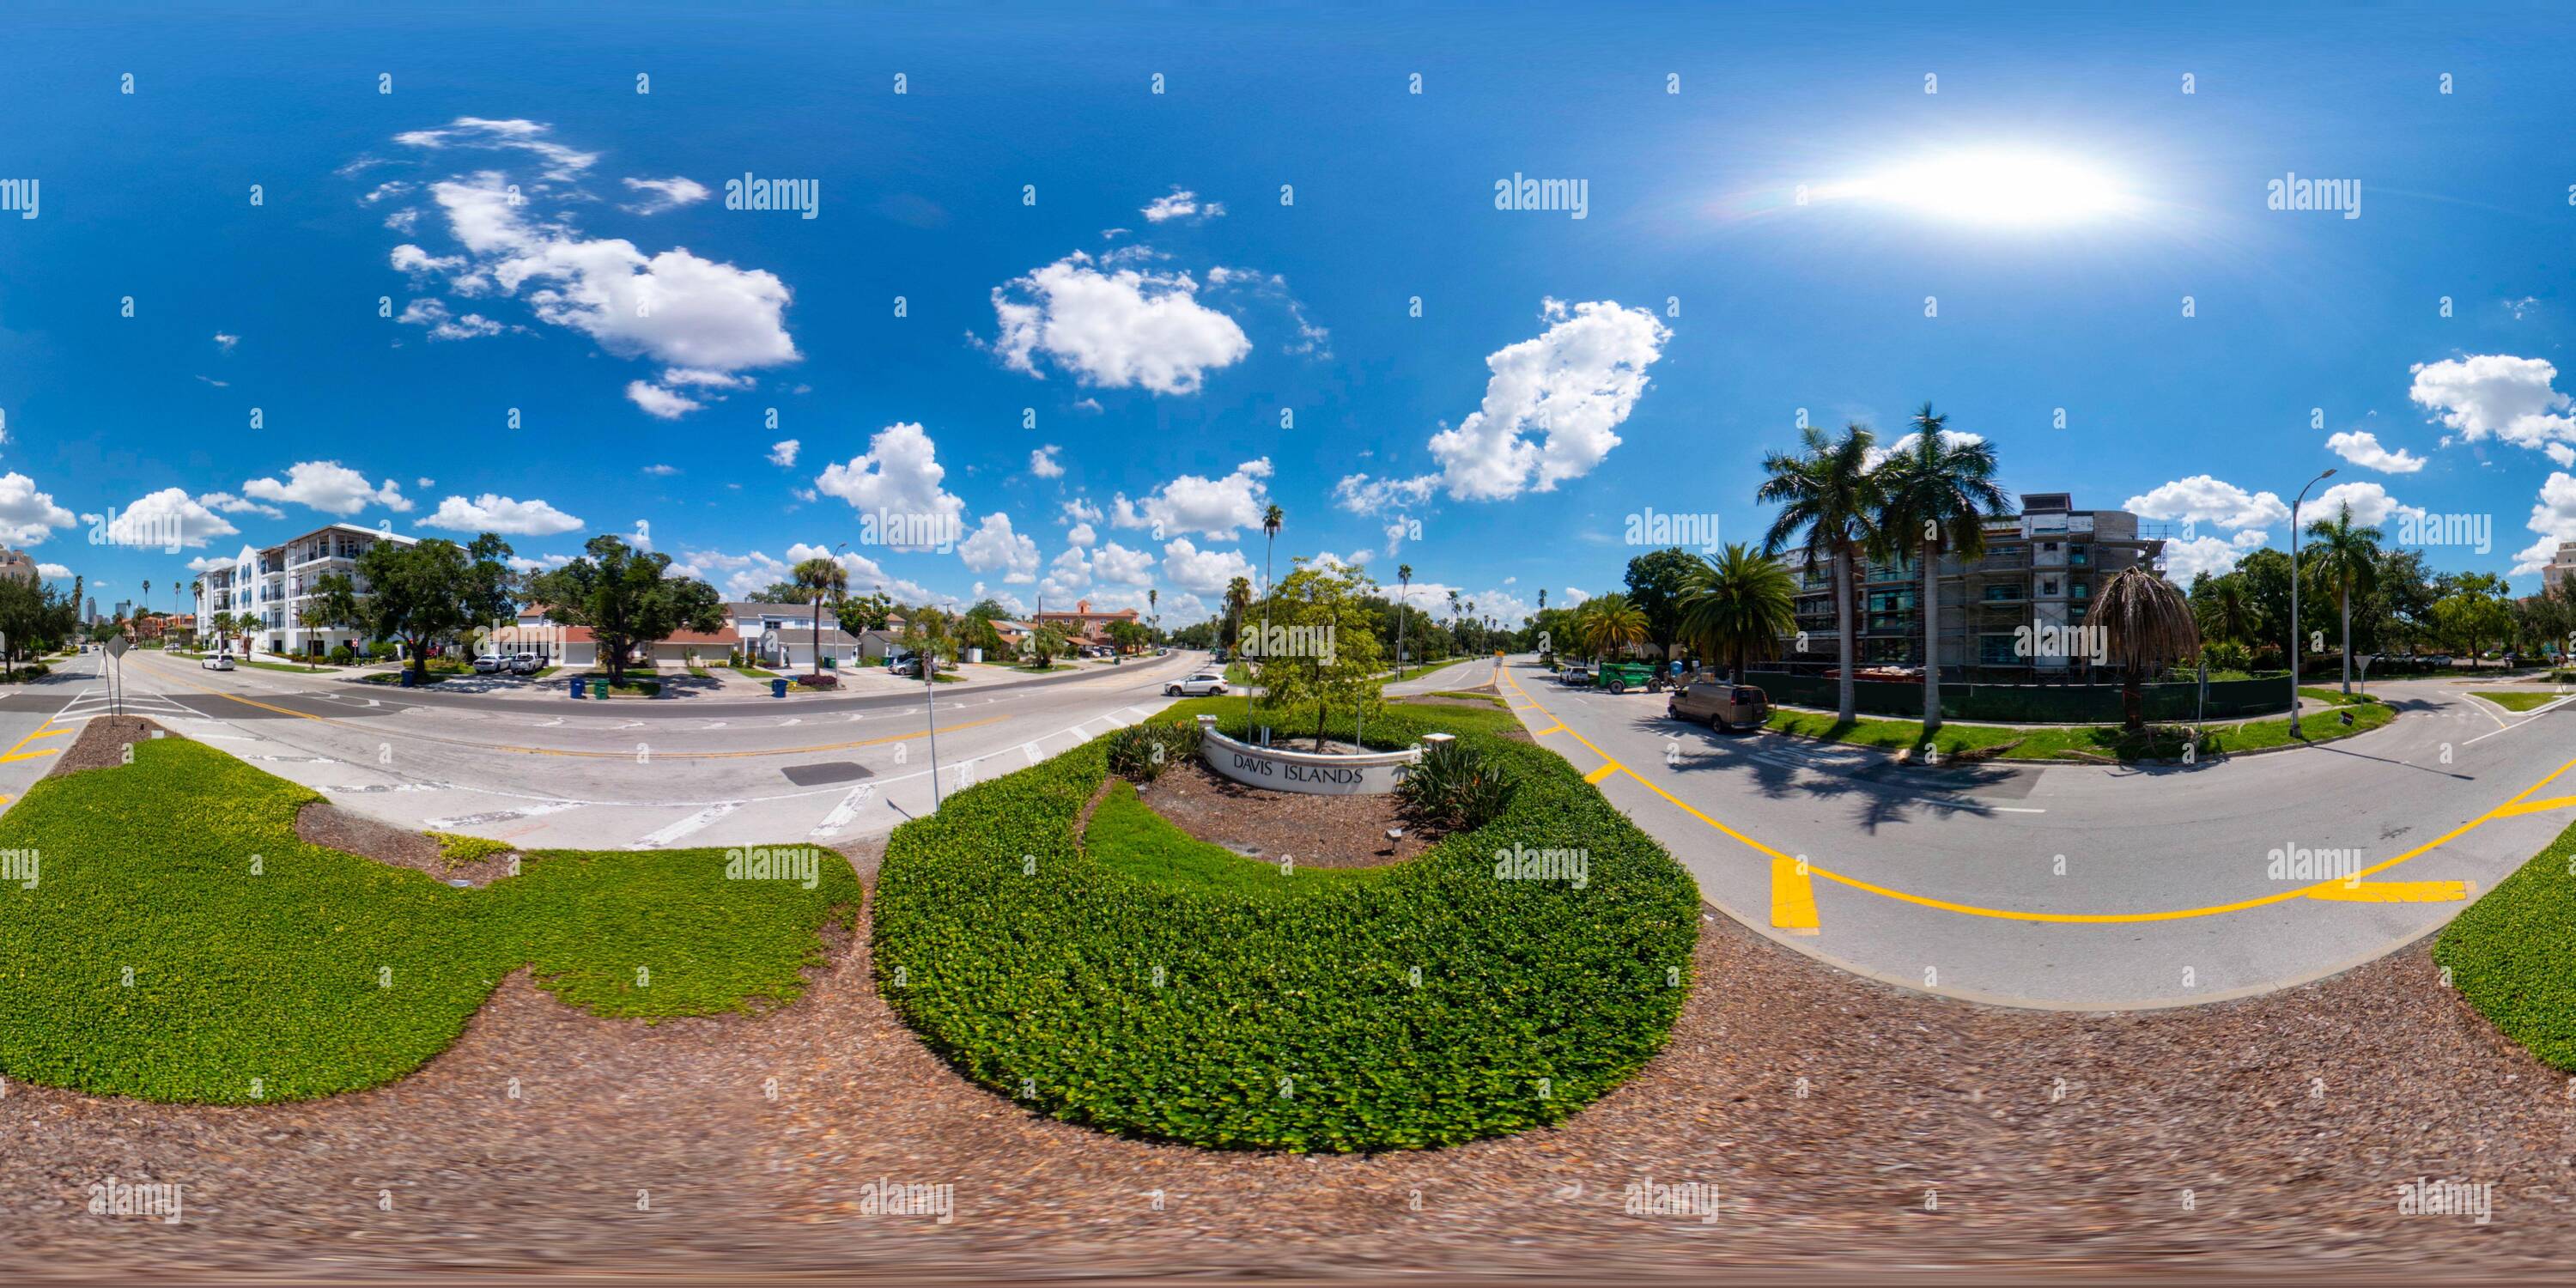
[2336,697]
[2515,701]
[2508,954]
[755,672]
[1134,841]
[2051,742]
[198,951]
[1464,693]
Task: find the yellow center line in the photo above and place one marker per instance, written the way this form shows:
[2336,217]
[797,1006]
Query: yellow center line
[2083,918]
[594,755]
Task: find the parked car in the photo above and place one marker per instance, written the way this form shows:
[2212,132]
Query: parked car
[1577,676]
[1720,705]
[216,662]
[526,663]
[1202,685]
[491,664]
[908,668]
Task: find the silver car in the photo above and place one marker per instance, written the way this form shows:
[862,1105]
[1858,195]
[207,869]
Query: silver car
[1203,684]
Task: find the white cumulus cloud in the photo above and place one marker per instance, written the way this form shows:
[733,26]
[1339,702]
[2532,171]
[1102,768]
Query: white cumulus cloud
[330,487]
[2205,499]
[493,513]
[898,476]
[2495,395]
[1193,503]
[2361,447]
[1116,327]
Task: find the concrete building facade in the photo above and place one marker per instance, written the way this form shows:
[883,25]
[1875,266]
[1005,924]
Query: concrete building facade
[274,583]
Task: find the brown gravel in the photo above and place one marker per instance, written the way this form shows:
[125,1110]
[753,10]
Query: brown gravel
[2048,1139]
[1317,831]
[322,823]
[102,743]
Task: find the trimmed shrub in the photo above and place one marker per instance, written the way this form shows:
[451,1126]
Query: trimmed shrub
[1456,786]
[1426,1004]
[343,655]
[1140,753]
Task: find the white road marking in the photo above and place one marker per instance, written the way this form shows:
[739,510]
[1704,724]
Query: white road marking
[501,815]
[791,720]
[694,822]
[844,812]
[713,724]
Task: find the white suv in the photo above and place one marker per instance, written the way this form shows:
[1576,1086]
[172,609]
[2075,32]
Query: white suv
[1203,684]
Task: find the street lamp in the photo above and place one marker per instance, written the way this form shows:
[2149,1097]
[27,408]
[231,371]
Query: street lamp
[2294,598]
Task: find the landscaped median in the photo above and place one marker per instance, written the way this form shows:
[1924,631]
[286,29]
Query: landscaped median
[1149,983]
[168,936]
[2510,954]
[2062,743]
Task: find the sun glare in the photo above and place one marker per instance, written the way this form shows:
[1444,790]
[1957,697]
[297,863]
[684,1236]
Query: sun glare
[1997,188]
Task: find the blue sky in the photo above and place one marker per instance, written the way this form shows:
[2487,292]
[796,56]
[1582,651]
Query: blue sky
[1061,349]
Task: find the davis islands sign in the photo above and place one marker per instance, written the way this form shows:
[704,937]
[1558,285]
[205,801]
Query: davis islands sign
[1314,773]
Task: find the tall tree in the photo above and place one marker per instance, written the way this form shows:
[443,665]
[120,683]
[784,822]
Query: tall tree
[1737,604]
[822,578]
[2149,627]
[1829,503]
[627,598]
[1238,601]
[1938,496]
[1610,623]
[432,590]
[1404,578]
[1656,582]
[2346,559]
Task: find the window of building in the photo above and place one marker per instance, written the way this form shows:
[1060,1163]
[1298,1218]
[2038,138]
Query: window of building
[2048,585]
[1995,650]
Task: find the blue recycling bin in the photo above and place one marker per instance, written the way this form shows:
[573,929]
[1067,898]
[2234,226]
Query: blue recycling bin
[406,677]
[576,686]
[778,688]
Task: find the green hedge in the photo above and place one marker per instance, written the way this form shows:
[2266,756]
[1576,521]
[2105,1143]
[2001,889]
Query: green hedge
[266,986]
[2033,703]
[1188,1012]
[2508,954]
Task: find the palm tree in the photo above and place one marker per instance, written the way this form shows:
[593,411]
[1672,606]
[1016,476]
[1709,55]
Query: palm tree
[2231,610]
[1271,520]
[824,578]
[1610,623]
[1154,605]
[1238,600]
[1937,496]
[2150,628]
[1738,603]
[2347,560]
[1404,577]
[1828,492]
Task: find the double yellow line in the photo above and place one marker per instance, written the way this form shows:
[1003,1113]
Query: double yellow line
[1793,900]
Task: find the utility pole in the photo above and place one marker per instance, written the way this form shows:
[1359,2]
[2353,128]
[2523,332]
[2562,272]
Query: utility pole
[2294,599]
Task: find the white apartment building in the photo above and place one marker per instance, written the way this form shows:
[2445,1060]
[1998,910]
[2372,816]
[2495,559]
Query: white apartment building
[274,583]
[2558,568]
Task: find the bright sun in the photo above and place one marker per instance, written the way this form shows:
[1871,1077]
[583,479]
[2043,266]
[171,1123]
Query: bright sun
[1996,188]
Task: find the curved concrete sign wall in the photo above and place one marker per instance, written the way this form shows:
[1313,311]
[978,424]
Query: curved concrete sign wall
[1316,774]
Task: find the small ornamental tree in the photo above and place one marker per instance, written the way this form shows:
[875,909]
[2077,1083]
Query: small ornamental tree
[1319,646]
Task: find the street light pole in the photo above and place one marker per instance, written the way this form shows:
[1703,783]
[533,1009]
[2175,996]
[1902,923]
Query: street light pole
[2294,598]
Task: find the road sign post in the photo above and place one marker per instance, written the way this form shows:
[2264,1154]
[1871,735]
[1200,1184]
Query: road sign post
[116,647]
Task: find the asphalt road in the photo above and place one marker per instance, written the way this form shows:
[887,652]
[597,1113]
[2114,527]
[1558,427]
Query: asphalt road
[541,770]
[2086,886]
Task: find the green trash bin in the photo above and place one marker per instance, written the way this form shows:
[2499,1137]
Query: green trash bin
[599,688]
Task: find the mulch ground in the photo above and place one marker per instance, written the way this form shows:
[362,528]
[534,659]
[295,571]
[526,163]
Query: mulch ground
[1849,1128]
[1317,831]
[322,823]
[102,743]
